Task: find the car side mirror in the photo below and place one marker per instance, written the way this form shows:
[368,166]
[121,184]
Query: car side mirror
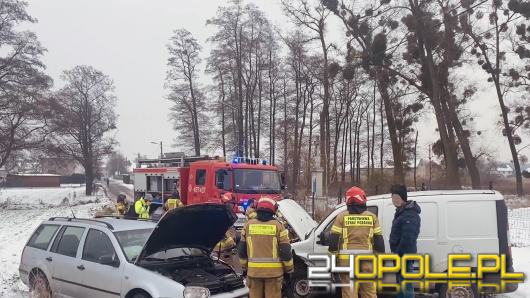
[109,260]
[323,238]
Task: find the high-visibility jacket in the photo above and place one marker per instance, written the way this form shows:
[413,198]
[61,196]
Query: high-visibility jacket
[172,203]
[251,213]
[264,249]
[356,232]
[121,208]
[142,209]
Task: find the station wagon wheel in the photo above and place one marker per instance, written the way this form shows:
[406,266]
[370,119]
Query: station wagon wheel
[39,286]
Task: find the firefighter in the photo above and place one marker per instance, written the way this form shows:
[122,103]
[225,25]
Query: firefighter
[250,213]
[228,242]
[265,253]
[141,207]
[121,204]
[173,202]
[356,231]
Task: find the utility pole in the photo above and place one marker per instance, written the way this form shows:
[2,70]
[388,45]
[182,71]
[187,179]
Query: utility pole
[161,152]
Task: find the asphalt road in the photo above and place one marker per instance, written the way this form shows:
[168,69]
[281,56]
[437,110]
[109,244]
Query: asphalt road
[116,187]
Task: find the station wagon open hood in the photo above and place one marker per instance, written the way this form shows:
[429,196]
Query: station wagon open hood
[196,226]
[297,217]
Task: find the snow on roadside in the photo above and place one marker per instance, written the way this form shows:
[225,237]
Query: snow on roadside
[521,263]
[46,197]
[21,211]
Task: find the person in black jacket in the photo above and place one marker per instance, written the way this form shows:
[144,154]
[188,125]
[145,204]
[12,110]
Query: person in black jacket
[405,230]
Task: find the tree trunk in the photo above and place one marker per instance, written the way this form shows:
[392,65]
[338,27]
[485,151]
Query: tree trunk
[89,177]
[415,161]
[382,83]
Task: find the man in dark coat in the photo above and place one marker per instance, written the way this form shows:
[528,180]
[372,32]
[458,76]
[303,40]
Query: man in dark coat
[405,230]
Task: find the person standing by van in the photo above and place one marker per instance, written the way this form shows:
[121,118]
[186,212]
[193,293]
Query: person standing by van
[356,231]
[405,230]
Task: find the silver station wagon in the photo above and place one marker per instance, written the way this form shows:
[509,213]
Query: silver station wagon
[111,257]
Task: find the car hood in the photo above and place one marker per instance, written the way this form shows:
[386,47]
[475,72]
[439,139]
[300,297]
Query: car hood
[297,217]
[196,226]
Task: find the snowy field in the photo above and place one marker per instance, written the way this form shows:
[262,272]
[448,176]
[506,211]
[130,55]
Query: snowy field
[21,211]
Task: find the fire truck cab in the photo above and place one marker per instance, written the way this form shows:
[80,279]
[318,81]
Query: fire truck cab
[204,179]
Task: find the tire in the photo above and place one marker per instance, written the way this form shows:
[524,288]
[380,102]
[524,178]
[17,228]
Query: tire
[140,295]
[299,286]
[458,292]
[39,287]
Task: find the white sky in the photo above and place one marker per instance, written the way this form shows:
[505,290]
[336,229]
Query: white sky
[126,39]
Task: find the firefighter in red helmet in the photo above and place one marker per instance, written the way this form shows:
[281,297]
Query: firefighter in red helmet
[265,252]
[356,231]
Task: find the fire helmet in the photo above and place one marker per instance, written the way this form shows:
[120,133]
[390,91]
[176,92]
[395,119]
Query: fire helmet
[267,204]
[355,196]
[227,197]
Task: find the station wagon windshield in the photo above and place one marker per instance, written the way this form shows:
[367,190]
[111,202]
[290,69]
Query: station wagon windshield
[132,242]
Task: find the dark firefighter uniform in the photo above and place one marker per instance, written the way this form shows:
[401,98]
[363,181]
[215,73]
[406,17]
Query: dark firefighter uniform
[265,253]
[356,231]
[121,205]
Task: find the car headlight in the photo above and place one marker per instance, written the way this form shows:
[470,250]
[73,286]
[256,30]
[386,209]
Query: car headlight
[196,292]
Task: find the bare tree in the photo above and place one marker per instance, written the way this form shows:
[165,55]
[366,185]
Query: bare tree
[489,41]
[23,84]
[83,119]
[186,94]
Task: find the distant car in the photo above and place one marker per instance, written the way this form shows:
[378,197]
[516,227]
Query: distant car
[109,257]
[526,173]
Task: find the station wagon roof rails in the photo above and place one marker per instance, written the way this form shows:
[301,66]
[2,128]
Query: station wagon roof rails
[81,219]
[124,217]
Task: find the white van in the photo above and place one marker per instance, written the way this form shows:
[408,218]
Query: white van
[461,221]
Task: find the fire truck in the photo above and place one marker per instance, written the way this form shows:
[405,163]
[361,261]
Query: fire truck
[203,179]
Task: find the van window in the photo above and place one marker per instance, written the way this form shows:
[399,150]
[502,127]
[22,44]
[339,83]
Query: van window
[97,246]
[68,242]
[429,223]
[42,236]
[471,219]
[200,177]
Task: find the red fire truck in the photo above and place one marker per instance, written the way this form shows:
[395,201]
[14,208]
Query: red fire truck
[203,179]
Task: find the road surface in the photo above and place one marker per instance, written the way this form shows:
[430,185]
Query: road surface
[116,187]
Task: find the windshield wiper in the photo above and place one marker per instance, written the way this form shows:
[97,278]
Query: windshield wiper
[153,259]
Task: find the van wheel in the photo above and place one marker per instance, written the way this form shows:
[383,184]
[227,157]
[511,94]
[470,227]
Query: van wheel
[38,285]
[300,287]
[458,292]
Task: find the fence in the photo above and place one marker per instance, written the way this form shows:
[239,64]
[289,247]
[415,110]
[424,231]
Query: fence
[519,220]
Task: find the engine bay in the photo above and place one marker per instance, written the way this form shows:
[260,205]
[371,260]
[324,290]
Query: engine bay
[216,276]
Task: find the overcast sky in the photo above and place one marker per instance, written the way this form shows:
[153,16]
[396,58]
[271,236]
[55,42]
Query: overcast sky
[126,39]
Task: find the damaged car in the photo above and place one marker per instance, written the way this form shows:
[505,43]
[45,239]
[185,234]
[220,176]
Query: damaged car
[110,257]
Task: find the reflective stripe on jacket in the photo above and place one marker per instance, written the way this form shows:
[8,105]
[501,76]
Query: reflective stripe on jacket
[265,251]
[142,209]
[173,203]
[356,232]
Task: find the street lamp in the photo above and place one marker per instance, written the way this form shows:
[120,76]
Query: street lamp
[161,153]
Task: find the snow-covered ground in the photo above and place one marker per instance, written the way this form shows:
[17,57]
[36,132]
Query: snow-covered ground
[21,211]
[45,197]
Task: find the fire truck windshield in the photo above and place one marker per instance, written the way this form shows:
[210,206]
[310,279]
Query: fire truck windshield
[257,181]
